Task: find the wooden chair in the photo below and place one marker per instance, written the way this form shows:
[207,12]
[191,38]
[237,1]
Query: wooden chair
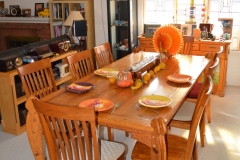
[193,96]
[173,147]
[103,55]
[38,81]
[80,64]
[37,78]
[188,45]
[66,140]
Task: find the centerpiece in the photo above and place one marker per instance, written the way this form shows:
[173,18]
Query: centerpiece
[168,40]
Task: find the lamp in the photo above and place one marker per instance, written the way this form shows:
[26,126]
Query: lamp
[74,15]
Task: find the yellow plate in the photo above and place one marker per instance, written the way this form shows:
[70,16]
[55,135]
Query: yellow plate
[155,101]
[106,71]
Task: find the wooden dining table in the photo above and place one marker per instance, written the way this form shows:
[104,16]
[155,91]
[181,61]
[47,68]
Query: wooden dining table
[128,117]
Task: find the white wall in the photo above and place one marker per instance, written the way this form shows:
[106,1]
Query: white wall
[101,21]
[25,4]
[233,75]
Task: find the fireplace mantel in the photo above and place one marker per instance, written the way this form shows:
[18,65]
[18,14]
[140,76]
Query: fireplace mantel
[24,20]
[23,26]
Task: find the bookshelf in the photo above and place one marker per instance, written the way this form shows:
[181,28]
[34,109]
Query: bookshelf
[59,11]
[12,104]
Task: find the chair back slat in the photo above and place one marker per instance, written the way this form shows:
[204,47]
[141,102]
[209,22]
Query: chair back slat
[37,78]
[188,45]
[103,55]
[80,64]
[69,136]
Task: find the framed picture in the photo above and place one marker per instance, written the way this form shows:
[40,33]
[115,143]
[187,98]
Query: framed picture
[1,4]
[186,29]
[38,8]
[206,27]
[204,35]
[26,12]
[149,29]
[227,24]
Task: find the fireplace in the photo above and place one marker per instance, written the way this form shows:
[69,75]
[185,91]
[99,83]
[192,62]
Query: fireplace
[19,41]
[38,32]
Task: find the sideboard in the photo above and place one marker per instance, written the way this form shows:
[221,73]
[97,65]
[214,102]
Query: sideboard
[201,47]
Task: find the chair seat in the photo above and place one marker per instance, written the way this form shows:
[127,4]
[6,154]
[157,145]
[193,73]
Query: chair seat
[195,91]
[111,150]
[176,149]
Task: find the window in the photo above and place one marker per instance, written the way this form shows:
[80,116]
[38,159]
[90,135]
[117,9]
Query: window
[226,9]
[182,11]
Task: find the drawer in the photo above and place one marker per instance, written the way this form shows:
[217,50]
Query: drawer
[195,47]
[147,49]
[210,48]
[148,44]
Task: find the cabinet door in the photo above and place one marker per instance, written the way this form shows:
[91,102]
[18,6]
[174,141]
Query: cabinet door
[121,29]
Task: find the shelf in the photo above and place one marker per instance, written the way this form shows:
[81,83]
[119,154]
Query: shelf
[24,19]
[10,103]
[21,100]
[63,79]
[122,20]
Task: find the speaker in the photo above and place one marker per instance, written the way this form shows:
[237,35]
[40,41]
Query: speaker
[11,58]
[79,28]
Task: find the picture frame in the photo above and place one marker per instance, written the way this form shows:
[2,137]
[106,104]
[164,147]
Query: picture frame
[206,27]
[26,12]
[38,8]
[204,35]
[1,4]
[150,29]
[227,25]
[186,29]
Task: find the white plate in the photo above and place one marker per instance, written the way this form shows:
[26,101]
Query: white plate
[179,78]
[154,101]
[106,71]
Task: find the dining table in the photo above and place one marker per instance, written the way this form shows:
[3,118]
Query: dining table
[128,116]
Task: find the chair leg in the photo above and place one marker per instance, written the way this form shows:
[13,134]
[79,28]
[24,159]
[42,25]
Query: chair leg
[202,129]
[208,110]
[126,134]
[195,151]
[110,134]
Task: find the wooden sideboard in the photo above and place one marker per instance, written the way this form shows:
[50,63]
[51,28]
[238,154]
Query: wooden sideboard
[201,47]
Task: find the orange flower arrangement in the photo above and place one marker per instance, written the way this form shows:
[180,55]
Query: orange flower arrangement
[168,38]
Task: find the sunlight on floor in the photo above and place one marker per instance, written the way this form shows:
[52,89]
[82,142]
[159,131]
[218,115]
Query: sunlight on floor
[230,140]
[209,137]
